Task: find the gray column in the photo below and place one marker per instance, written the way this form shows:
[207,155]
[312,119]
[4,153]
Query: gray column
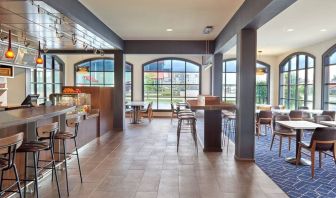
[217,72]
[246,79]
[119,91]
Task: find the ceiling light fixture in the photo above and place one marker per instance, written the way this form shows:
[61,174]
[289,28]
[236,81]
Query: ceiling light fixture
[208,29]
[323,30]
[26,43]
[9,53]
[169,29]
[74,39]
[39,59]
[45,49]
[290,30]
[102,53]
[207,61]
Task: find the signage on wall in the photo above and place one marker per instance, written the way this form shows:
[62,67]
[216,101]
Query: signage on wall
[6,71]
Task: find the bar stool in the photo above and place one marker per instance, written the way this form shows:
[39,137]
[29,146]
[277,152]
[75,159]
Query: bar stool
[190,123]
[230,129]
[45,142]
[63,136]
[8,148]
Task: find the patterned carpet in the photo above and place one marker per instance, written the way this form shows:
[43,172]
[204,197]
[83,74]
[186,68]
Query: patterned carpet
[295,181]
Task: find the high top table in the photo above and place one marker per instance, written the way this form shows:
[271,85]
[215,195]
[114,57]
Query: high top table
[299,126]
[209,124]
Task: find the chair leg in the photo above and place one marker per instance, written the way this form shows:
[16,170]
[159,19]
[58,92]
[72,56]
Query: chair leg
[54,169]
[25,175]
[66,167]
[334,154]
[280,146]
[79,167]
[273,136]
[35,159]
[178,134]
[259,131]
[17,180]
[312,159]
[2,173]
[289,143]
[320,159]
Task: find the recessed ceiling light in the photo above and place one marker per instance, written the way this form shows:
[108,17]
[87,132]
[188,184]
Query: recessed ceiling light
[290,30]
[323,30]
[169,30]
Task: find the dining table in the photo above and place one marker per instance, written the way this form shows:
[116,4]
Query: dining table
[329,123]
[299,127]
[136,107]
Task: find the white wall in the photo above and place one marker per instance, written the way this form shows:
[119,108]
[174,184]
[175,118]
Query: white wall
[16,87]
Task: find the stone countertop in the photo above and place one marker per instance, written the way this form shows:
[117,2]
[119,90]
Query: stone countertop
[26,115]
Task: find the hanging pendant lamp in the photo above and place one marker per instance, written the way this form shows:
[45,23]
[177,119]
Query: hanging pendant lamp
[39,59]
[9,53]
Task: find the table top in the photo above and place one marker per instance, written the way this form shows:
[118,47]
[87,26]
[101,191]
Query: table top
[329,123]
[136,103]
[26,115]
[300,124]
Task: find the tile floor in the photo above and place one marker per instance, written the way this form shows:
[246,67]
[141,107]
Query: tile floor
[142,162]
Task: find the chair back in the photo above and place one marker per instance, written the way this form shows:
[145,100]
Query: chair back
[303,108]
[47,133]
[295,115]
[329,113]
[320,118]
[74,123]
[276,107]
[279,127]
[265,117]
[324,139]
[8,146]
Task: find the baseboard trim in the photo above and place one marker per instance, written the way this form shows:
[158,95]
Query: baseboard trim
[243,159]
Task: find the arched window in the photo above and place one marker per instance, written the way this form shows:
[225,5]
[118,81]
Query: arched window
[100,72]
[170,80]
[229,88]
[297,81]
[47,78]
[329,79]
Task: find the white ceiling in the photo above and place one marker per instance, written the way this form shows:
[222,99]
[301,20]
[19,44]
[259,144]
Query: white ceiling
[149,19]
[306,18]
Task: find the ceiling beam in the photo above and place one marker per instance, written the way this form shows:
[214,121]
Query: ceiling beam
[251,14]
[84,17]
[166,47]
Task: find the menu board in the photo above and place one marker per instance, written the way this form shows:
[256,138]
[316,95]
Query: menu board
[26,57]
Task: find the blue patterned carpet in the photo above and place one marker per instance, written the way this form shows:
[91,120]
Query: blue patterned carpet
[295,181]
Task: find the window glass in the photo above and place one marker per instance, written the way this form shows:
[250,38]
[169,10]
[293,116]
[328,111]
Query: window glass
[170,80]
[300,91]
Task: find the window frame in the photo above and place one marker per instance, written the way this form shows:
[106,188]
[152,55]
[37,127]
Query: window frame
[171,59]
[288,60]
[105,85]
[44,68]
[268,68]
[324,85]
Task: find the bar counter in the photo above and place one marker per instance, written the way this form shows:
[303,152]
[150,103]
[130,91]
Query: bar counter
[26,115]
[209,123]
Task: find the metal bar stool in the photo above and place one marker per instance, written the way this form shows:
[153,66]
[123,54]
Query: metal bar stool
[63,136]
[8,146]
[191,124]
[45,142]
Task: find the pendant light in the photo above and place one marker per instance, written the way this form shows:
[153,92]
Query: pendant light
[9,53]
[39,59]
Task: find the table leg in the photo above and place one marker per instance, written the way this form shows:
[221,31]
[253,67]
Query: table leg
[134,115]
[292,160]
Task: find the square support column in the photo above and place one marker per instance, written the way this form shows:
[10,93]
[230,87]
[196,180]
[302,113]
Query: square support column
[119,91]
[246,85]
[217,72]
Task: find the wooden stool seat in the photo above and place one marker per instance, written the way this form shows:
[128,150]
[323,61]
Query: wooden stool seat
[33,146]
[64,135]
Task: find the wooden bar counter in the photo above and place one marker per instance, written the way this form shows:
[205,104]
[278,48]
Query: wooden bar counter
[209,121]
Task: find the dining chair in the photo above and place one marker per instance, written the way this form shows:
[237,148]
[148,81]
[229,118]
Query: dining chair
[295,115]
[319,118]
[265,119]
[148,111]
[329,113]
[322,140]
[282,132]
